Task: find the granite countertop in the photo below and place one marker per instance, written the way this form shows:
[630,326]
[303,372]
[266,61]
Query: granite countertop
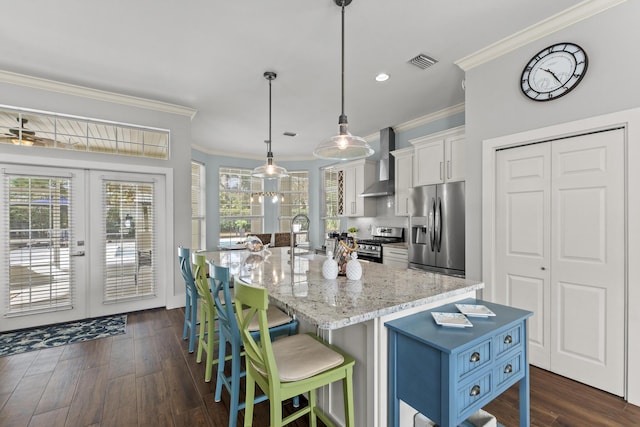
[333,304]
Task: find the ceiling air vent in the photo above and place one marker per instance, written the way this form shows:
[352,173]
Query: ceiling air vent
[422,61]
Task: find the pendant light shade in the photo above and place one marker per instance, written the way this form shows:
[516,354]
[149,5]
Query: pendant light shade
[343,146]
[270,170]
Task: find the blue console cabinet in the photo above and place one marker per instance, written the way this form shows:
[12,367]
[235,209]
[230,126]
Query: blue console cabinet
[448,373]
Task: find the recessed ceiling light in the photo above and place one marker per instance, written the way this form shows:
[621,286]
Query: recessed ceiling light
[382,77]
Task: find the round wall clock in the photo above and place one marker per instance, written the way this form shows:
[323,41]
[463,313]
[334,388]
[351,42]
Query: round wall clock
[554,71]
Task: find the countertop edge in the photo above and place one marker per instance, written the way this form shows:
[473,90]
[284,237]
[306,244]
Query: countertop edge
[388,310]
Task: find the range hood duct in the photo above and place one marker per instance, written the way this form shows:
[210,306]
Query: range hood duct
[386,184]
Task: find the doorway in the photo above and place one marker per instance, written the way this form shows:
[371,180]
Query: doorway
[78,244]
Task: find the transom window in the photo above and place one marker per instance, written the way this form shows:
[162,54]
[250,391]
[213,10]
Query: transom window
[63,132]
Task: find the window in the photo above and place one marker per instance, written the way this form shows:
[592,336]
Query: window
[198,211]
[294,192]
[240,213]
[330,208]
[63,132]
[39,220]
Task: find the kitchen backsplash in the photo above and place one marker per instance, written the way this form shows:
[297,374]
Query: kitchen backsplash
[385,216]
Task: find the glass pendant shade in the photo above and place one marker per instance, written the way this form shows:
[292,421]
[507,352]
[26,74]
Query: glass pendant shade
[270,170]
[343,146]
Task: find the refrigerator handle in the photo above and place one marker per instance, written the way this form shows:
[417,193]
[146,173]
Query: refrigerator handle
[438,225]
[432,212]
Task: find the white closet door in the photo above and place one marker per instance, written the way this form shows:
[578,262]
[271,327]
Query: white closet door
[588,258]
[522,240]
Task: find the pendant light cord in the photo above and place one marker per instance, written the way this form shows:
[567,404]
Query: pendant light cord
[269,150]
[342,113]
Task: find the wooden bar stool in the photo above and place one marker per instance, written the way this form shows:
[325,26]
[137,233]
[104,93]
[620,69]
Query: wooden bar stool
[279,323]
[191,295]
[289,366]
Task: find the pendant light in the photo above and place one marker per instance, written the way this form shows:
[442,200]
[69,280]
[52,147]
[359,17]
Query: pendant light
[270,170]
[343,146]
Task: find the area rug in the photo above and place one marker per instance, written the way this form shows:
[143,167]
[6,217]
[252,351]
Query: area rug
[61,334]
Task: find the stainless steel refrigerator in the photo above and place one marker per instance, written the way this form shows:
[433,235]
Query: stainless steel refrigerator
[436,222]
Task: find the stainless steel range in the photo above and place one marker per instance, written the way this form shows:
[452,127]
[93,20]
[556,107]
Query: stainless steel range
[371,249]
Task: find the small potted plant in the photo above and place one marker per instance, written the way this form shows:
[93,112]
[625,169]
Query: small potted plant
[352,232]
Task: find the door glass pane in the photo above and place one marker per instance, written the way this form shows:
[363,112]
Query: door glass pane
[128,221]
[40,277]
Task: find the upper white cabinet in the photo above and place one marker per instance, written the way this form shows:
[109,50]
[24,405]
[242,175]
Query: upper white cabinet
[356,177]
[439,157]
[404,179]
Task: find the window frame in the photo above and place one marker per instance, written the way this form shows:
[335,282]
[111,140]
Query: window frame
[256,185]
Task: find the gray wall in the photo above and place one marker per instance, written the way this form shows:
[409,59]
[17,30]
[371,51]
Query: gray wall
[495,105]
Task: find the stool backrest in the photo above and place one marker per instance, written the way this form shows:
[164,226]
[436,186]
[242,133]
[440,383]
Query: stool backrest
[259,353]
[184,260]
[219,282]
[200,276]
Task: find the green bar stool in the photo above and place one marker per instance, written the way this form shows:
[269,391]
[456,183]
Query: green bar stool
[289,366]
[207,339]
[280,324]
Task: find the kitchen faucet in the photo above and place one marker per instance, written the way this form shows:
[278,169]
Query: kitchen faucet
[297,227]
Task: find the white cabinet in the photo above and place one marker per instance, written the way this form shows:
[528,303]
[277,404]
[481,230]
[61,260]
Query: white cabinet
[439,157]
[356,177]
[395,256]
[404,179]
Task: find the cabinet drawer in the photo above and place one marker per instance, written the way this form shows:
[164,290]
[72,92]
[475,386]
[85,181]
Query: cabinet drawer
[472,392]
[508,368]
[472,359]
[509,339]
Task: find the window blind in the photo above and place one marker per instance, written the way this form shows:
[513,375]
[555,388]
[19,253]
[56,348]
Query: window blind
[128,221]
[39,221]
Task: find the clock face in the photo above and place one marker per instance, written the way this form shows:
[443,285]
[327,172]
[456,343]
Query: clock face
[554,71]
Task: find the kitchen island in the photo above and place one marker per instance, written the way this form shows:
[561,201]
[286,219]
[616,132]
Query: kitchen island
[347,313]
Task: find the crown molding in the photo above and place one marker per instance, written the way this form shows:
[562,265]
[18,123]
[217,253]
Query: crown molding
[441,114]
[100,95]
[557,22]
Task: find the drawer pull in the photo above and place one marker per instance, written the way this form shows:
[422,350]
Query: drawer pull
[508,369]
[475,357]
[508,339]
[475,390]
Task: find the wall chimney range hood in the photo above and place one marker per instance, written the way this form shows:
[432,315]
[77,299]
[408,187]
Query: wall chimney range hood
[386,184]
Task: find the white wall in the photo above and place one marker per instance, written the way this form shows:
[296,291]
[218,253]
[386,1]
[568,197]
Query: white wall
[179,156]
[496,107]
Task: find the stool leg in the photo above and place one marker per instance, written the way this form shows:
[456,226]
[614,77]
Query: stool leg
[250,385]
[347,392]
[235,383]
[313,418]
[187,315]
[222,345]
[193,321]
[203,333]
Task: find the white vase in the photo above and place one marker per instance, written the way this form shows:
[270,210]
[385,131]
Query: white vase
[354,269]
[330,267]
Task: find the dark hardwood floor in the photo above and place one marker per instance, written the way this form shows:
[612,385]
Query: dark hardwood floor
[146,377]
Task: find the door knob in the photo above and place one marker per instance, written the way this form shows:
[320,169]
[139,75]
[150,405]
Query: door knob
[542,268]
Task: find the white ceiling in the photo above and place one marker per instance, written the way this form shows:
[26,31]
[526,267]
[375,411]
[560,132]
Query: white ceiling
[211,56]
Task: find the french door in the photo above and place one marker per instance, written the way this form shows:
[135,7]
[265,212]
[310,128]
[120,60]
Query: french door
[77,244]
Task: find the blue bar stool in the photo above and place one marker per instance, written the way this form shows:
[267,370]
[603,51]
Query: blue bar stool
[191,295]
